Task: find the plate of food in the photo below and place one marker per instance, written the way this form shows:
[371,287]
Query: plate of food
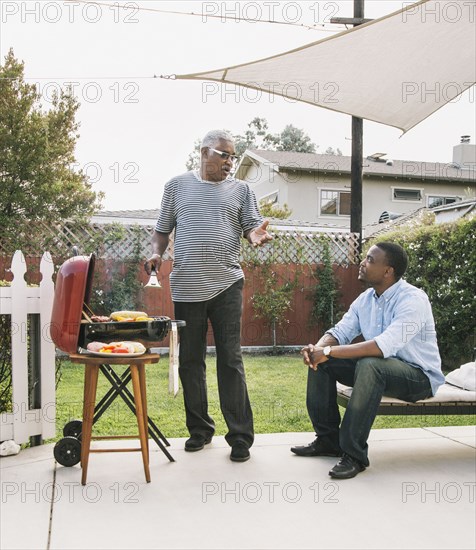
[116,349]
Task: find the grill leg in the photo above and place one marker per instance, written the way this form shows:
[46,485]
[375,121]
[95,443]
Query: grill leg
[90,387]
[137,371]
[143,391]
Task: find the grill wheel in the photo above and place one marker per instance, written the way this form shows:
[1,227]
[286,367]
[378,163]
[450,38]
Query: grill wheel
[73,428]
[67,451]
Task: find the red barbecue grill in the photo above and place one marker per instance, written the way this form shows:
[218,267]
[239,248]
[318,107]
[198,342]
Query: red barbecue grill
[72,330]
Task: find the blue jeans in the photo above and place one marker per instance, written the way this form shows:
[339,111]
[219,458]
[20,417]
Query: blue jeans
[224,312]
[371,378]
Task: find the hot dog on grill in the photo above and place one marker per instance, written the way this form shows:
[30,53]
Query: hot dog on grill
[100,318]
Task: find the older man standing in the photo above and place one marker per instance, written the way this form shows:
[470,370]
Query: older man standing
[210,211]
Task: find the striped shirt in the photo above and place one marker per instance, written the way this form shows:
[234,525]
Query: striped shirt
[209,221]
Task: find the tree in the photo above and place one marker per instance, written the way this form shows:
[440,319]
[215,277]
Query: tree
[257,136]
[273,210]
[332,151]
[37,181]
[193,161]
[292,139]
[274,301]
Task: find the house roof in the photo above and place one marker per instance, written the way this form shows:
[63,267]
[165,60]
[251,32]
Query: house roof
[377,228]
[420,216]
[291,161]
[130,217]
[277,224]
[467,204]
[127,217]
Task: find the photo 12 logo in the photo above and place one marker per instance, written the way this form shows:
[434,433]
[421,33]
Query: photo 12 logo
[286,12]
[124,172]
[436,12]
[436,92]
[68,12]
[94,91]
[450,492]
[253,92]
[69,491]
[269,492]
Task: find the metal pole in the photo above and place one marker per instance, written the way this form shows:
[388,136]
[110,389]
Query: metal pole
[357,158]
[356,178]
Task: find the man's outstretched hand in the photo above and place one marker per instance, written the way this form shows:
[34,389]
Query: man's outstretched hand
[259,236]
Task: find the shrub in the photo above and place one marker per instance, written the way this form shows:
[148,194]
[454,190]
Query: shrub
[326,307]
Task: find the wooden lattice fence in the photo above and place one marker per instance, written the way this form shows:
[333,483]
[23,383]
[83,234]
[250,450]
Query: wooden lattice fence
[121,242]
[306,248]
[108,241]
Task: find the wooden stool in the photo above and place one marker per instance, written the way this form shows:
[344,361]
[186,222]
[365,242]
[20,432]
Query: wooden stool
[137,368]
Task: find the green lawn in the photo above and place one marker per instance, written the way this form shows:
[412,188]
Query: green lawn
[277,387]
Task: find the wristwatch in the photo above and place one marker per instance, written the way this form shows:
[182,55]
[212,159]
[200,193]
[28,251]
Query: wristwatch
[327,351]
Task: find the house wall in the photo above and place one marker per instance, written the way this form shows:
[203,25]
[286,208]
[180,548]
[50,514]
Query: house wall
[378,195]
[302,192]
[304,196]
[264,180]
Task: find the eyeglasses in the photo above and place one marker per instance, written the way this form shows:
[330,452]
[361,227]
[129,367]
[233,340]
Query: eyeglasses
[224,155]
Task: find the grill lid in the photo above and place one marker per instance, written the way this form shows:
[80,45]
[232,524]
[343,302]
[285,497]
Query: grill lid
[72,290]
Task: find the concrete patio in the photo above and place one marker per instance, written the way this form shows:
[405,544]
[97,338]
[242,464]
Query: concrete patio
[420,492]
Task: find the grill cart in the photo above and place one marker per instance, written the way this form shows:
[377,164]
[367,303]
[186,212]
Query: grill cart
[72,330]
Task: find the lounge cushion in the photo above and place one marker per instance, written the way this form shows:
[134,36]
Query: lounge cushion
[447,393]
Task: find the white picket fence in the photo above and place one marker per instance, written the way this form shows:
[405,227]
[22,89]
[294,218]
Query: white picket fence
[19,300]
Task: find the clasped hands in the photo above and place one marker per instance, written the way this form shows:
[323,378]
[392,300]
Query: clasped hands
[313,355]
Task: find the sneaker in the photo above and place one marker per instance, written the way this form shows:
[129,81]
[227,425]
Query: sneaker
[196,442]
[346,468]
[239,452]
[319,447]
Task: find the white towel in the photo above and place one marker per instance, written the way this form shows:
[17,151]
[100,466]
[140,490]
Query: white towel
[464,377]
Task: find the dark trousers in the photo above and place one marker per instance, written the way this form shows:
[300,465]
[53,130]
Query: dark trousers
[371,378]
[224,312]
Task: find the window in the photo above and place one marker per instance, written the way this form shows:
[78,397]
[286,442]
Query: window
[406,194]
[270,198]
[440,200]
[335,203]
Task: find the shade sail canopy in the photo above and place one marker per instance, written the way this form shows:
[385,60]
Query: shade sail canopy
[396,70]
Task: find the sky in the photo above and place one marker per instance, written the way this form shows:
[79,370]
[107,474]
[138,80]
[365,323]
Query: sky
[136,131]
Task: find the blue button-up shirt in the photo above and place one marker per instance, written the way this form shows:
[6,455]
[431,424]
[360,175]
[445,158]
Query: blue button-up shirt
[401,323]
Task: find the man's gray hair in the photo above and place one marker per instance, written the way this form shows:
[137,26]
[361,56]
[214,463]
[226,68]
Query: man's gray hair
[214,136]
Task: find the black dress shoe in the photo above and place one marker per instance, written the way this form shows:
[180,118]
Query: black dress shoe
[319,447]
[196,442]
[346,468]
[239,452]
